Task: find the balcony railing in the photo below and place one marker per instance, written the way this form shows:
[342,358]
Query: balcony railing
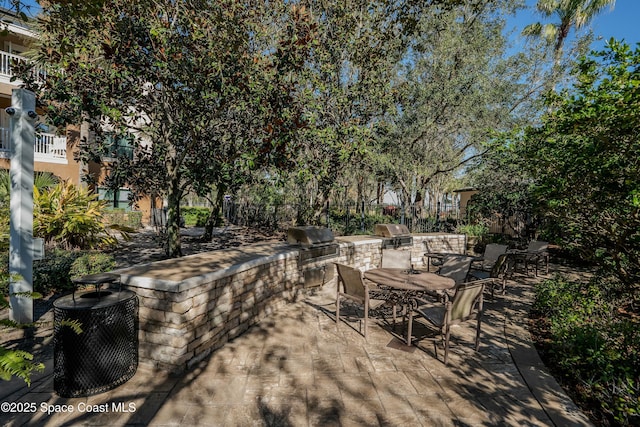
[8,59]
[47,147]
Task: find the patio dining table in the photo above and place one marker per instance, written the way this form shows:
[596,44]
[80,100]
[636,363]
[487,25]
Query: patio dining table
[401,285]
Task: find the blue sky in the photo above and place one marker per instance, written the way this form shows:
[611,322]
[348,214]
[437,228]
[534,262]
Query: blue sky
[623,22]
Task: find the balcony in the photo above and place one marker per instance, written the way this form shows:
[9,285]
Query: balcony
[47,147]
[6,62]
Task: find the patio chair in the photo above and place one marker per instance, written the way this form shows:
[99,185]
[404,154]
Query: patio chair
[536,251]
[352,287]
[501,271]
[466,301]
[491,253]
[395,258]
[455,267]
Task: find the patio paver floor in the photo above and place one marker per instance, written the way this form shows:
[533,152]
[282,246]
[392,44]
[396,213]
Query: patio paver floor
[298,369]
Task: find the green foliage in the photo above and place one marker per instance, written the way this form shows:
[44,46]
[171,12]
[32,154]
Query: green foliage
[195,216]
[92,263]
[18,363]
[212,84]
[52,274]
[14,362]
[340,225]
[477,230]
[504,188]
[584,161]
[119,217]
[70,217]
[594,345]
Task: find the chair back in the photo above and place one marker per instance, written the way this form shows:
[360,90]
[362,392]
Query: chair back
[455,267]
[351,279]
[468,296]
[492,251]
[537,246]
[503,264]
[395,258]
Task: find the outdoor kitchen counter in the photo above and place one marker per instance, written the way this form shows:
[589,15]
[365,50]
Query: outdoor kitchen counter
[190,306]
[359,240]
[180,274]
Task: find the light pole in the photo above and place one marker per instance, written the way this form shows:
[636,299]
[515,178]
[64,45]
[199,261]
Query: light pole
[22,112]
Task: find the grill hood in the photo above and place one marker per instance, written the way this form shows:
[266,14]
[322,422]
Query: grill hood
[391,230]
[309,235]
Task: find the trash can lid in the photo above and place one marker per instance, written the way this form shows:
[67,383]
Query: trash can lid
[92,300]
[96,279]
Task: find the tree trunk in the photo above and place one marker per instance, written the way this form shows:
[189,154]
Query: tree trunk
[174,249]
[215,217]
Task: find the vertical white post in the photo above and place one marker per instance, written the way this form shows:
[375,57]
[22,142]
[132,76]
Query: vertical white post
[22,114]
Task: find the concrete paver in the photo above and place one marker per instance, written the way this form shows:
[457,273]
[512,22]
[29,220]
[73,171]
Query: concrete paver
[301,369]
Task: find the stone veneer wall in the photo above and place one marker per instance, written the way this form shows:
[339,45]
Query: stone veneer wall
[442,243]
[192,306]
[180,325]
[365,252]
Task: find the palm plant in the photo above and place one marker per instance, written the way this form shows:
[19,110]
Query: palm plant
[571,14]
[71,217]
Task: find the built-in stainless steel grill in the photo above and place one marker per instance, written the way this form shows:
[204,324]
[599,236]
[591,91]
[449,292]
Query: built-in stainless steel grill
[317,247]
[394,235]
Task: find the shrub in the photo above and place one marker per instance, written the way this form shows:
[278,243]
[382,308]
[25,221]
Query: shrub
[195,216]
[123,218]
[52,274]
[69,216]
[92,263]
[593,345]
[479,230]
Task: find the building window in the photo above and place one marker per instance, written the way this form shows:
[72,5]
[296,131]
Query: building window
[119,200]
[119,145]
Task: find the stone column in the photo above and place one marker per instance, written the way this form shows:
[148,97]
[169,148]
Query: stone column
[22,112]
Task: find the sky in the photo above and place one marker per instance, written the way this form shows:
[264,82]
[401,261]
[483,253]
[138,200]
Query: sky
[623,22]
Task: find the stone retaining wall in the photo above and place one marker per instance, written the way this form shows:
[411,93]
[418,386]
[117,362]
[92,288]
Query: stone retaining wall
[193,305]
[179,325]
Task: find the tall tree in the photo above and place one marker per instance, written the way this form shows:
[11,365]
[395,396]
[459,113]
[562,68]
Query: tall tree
[188,81]
[585,160]
[571,14]
[456,90]
[347,87]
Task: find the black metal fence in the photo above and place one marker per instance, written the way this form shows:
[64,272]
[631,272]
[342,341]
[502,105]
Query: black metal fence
[342,218]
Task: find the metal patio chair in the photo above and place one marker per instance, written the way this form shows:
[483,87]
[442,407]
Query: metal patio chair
[466,302]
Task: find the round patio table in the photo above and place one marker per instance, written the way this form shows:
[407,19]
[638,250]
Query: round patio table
[404,280]
[401,285]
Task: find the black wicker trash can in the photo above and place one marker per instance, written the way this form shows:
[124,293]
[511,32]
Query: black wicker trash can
[105,354]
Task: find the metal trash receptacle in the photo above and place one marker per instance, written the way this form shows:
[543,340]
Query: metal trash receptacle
[105,354]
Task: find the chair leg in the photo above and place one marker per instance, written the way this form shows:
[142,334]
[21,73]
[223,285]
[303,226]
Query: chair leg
[366,317]
[546,263]
[446,343]
[394,315]
[337,311]
[409,328]
[478,332]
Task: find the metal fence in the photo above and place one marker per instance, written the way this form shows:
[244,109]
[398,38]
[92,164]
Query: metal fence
[342,218]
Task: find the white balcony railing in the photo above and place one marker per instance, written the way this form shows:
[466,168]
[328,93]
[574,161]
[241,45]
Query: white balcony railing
[8,59]
[47,147]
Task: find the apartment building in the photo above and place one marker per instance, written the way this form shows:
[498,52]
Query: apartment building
[54,149]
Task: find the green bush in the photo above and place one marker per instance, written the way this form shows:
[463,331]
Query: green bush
[55,271]
[123,218]
[594,346]
[195,216]
[92,263]
[52,274]
[70,217]
[479,230]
